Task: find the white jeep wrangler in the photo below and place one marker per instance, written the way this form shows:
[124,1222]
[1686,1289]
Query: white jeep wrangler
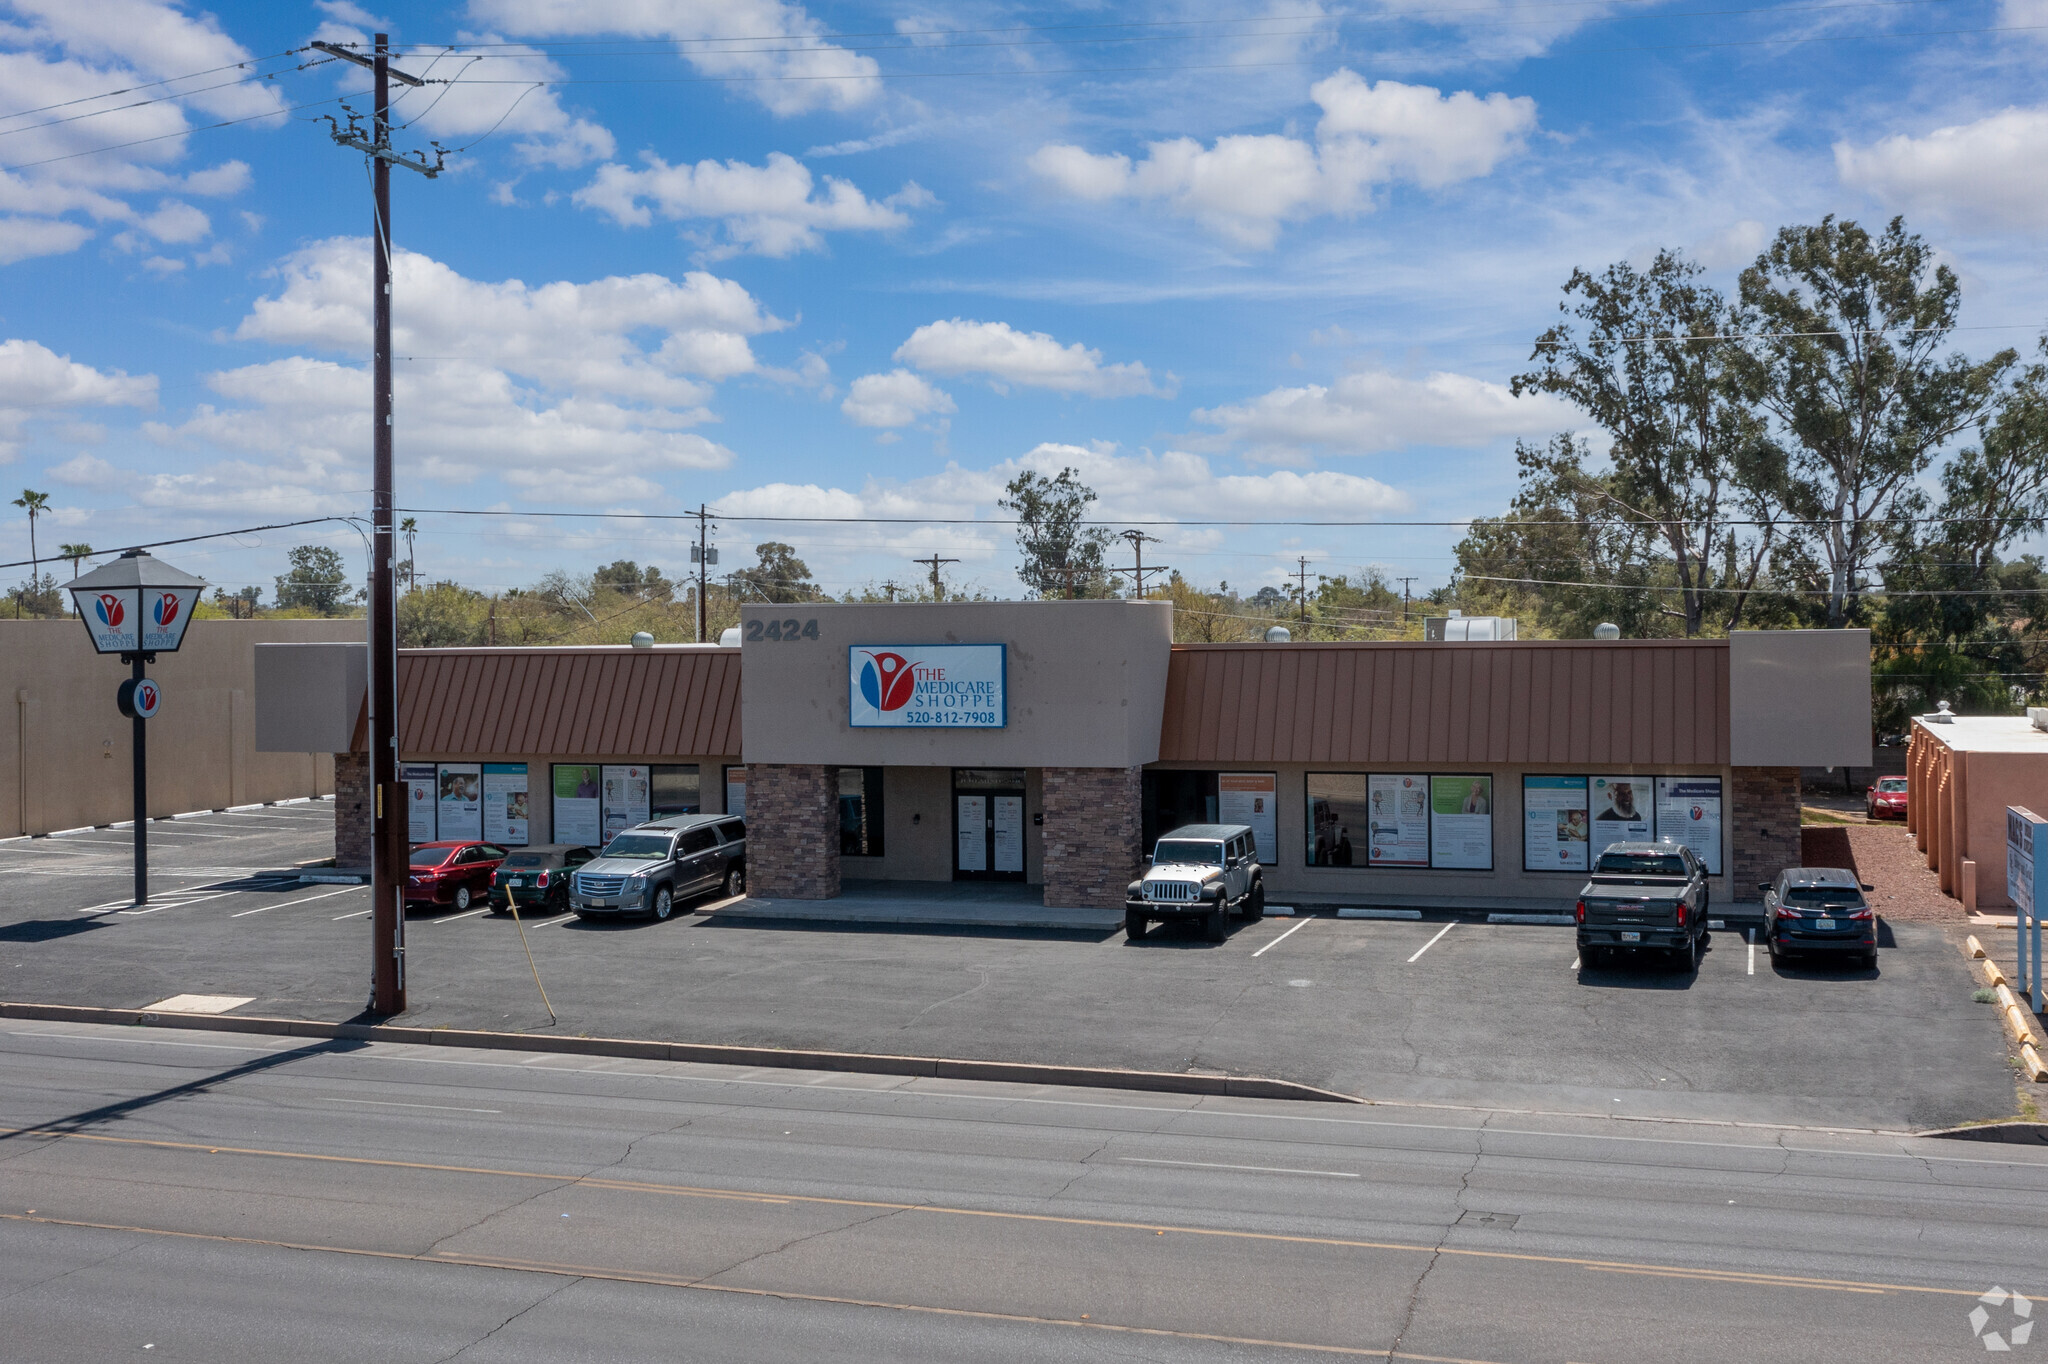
[1199,871]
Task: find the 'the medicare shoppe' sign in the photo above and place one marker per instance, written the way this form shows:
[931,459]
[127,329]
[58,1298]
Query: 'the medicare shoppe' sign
[943,686]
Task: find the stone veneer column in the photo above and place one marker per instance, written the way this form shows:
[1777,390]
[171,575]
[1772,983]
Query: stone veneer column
[1092,828]
[792,831]
[353,818]
[1765,812]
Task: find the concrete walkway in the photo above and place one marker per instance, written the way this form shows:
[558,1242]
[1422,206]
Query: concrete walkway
[973,904]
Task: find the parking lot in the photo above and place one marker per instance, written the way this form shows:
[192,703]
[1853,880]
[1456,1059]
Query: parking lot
[1444,1010]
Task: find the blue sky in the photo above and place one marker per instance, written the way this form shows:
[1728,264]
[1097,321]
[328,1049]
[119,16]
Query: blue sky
[1253,263]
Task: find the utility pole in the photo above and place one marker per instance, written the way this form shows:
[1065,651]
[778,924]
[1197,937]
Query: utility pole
[1138,540]
[1404,601]
[1303,561]
[938,590]
[388,845]
[703,554]
[892,588]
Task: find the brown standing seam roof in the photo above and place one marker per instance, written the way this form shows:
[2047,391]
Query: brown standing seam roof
[639,703]
[1548,701]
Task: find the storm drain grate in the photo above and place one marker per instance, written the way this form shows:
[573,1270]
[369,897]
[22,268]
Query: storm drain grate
[1498,1221]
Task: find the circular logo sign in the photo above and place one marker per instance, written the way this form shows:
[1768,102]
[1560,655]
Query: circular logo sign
[146,698]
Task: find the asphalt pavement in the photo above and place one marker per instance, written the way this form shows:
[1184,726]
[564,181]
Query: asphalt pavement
[1434,1011]
[181,1196]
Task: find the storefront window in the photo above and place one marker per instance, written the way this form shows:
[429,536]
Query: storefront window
[1171,799]
[675,790]
[860,812]
[1338,816]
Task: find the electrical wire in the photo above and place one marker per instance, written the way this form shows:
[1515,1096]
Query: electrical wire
[191,539]
[143,103]
[151,85]
[184,132]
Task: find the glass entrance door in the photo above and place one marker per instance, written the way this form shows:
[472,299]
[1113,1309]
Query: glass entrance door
[988,824]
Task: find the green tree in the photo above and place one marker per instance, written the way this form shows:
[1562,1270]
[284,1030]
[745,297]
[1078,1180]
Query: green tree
[409,528]
[1689,462]
[76,553]
[316,582]
[35,504]
[1063,557]
[777,576]
[443,615]
[626,577]
[1849,363]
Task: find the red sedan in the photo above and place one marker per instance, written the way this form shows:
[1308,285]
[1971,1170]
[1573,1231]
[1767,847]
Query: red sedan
[452,872]
[1887,799]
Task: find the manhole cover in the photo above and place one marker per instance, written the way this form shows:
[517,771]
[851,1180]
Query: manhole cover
[1499,1221]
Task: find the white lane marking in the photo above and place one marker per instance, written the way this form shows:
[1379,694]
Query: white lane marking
[302,900]
[1258,1169]
[1433,941]
[387,1103]
[357,915]
[453,917]
[1752,951]
[1574,966]
[1282,938]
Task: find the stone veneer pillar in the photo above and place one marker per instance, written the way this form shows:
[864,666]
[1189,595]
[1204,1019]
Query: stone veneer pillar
[353,818]
[792,831]
[1092,830]
[1766,829]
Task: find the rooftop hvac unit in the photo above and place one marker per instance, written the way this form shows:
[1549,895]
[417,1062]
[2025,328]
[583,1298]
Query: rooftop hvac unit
[1464,629]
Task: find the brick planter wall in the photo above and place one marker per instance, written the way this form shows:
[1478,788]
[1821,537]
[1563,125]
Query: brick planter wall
[1091,835]
[792,831]
[1765,811]
[354,817]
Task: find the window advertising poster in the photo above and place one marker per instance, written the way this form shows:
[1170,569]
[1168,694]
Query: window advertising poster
[1621,811]
[1689,812]
[576,804]
[1336,819]
[1252,798]
[1397,821]
[419,801]
[505,803]
[1555,824]
[460,808]
[626,796]
[1461,823]
[736,791]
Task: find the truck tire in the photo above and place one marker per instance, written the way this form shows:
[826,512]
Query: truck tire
[1215,924]
[1134,925]
[1688,956]
[1255,902]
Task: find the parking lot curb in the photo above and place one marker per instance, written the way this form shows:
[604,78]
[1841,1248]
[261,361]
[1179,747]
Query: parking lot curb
[934,1067]
[2011,1133]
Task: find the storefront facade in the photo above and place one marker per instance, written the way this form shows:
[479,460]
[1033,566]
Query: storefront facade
[1049,742]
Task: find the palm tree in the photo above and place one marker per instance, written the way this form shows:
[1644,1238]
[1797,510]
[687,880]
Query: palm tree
[410,527]
[75,553]
[35,504]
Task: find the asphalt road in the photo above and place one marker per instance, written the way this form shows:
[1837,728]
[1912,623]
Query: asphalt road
[1492,1016]
[191,1197]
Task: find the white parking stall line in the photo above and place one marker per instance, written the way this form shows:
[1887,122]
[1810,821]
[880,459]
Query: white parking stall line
[453,917]
[1574,966]
[356,915]
[302,900]
[1282,938]
[1752,951]
[1433,941]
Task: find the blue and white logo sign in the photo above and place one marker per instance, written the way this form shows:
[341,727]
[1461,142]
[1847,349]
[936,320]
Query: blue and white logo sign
[939,686]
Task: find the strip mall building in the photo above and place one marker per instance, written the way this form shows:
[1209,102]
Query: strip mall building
[1048,742]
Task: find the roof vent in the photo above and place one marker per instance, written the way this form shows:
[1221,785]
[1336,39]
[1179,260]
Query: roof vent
[1941,715]
[1456,628]
[1607,630]
[2039,716]
[642,640]
[729,638]
[1278,634]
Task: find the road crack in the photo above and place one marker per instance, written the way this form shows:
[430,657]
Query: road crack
[981,971]
[796,1241]
[1436,1252]
[569,1283]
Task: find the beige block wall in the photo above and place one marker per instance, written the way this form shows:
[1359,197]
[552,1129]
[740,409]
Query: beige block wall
[65,751]
[921,849]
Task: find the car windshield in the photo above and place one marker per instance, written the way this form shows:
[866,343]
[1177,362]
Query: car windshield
[1188,850]
[1641,864]
[527,860]
[1892,784]
[637,845]
[431,857]
[1823,895]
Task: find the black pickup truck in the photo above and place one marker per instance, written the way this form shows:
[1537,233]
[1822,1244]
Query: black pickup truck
[1644,896]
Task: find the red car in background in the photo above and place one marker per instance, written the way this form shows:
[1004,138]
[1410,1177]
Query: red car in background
[1887,799]
[452,872]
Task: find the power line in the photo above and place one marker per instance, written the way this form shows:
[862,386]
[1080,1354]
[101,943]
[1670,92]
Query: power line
[1771,590]
[150,85]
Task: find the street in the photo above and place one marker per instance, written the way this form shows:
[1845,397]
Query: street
[198,1197]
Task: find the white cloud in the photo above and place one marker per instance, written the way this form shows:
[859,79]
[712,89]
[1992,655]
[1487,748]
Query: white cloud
[1027,359]
[1370,411]
[23,238]
[897,398]
[83,471]
[1988,171]
[36,382]
[773,209]
[1371,134]
[720,38]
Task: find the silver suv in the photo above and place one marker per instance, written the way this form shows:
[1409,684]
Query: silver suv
[1199,871]
[646,869]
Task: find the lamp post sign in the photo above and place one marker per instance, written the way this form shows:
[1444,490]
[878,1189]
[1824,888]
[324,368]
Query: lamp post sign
[137,607]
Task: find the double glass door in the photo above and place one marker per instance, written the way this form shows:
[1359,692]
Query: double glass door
[988,824]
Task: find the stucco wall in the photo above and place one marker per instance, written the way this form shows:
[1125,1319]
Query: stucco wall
[64,748]
[1086,684]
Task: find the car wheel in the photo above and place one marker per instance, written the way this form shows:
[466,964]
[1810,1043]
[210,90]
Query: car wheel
[461,898]
[1134,925]
[1215,925]
[1255,903]
[1870,961]
[735,882]
[1688,956]
[664,903]
[497,908]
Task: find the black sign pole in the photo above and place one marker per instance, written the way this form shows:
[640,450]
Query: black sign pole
[137,726]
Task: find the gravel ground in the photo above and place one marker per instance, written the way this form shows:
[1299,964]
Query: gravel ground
[1884,855]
